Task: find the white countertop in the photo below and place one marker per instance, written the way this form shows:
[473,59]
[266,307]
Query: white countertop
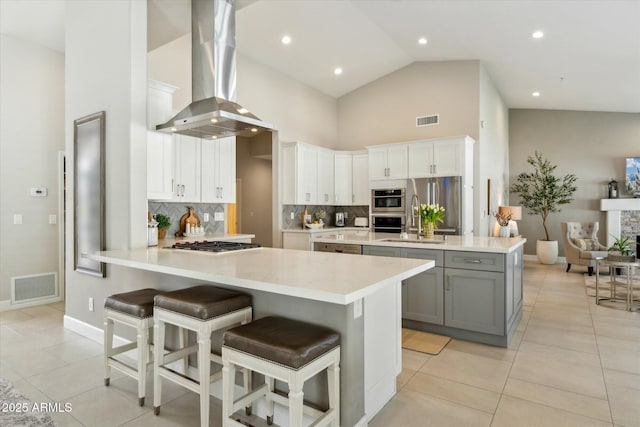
[329,277]
[452,243]
[324,230]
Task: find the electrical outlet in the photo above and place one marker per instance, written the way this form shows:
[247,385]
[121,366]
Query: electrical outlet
[293,215]
[53,219]
[90,304]
[357,308]
[205,217]
[17,219]
[218,216]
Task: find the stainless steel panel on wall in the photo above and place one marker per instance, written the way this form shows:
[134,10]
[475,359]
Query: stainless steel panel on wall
[89,192]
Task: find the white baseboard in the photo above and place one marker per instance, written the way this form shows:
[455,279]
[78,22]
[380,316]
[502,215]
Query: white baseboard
[6,304]
[93,333]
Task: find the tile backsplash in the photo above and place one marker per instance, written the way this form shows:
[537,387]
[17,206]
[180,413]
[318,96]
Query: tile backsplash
[330,214]
[176,210]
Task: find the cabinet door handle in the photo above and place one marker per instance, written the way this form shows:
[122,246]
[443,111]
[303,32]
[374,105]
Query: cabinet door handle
[172,186]
[353,198]
[307,196]
[448,284]
[434,169]
[183,190]
[472,261]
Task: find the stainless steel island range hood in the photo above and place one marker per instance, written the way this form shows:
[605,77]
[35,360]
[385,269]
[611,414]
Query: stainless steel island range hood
[213,114]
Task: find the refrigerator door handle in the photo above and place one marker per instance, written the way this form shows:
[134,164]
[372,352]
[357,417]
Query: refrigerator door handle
[436,192]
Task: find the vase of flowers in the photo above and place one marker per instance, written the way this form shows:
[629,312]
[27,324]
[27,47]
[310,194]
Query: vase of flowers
[430,216]
[503,221]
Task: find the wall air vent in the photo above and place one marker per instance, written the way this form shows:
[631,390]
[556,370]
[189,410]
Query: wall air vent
[433,119]
[29,288]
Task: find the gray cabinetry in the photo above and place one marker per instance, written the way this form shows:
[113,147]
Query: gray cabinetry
[423,294]
[382,251]
[475,296]
[474,300]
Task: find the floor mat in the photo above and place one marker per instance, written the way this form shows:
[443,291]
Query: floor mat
[423,342]
[17,410]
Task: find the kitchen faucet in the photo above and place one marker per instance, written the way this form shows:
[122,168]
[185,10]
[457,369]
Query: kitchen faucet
[415,206]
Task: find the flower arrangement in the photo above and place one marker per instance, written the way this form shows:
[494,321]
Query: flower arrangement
[430,213]
[503,220]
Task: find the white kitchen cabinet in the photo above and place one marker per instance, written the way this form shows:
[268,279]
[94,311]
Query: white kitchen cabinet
[325,177]
[299,174]
[442,157]
[218,170]
[160,166]
[360,167]
[160,149]
[388,161]
[187,169]
[343,178]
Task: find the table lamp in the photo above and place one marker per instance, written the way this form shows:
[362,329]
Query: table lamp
[516,214]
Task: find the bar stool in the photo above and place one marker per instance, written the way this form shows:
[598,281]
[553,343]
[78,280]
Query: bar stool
[203,309]
[134,309]
[287,350]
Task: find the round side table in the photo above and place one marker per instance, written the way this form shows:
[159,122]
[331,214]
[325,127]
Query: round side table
[629,271]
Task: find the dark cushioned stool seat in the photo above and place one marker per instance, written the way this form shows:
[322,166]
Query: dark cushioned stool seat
[135,303]
[203,302]
[288,342]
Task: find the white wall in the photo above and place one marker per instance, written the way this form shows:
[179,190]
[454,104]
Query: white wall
[297,111]
[591,145]
[491,156]
[106,70]
[385,110]
[31,135]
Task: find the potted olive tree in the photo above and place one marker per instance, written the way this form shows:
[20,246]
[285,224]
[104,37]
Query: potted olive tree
[542,193]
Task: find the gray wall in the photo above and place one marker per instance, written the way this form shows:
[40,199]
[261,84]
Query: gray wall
[32,134]
[591,145]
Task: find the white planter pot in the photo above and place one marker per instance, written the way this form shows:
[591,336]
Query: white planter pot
[547,251]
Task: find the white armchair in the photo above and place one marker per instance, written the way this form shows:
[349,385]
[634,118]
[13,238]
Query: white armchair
[581,245]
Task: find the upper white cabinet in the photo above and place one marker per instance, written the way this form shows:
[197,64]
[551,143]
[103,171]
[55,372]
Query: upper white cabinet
[160,149]
[325,177]
[299,173]
[443,157]
[388,161]
[160,167]
[360,166]
[187,169]
[219,170]
[343,178]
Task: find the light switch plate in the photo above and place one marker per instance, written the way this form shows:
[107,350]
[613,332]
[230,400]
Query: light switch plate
[53,219]
[218,216]
[205,217]
[17,219]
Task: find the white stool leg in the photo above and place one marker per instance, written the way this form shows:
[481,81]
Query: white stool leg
[296,397]
[270,404]
[333,382]
[158,356]
[183,337]
[228,395]
[108,347]
[143,349]
[204,370]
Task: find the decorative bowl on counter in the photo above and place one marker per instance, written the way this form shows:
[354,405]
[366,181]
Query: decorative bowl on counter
[314,226]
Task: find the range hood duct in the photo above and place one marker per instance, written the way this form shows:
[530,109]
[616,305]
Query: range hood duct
[213,114]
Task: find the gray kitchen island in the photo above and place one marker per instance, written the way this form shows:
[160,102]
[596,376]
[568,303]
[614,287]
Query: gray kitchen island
[473,293]
[358,296]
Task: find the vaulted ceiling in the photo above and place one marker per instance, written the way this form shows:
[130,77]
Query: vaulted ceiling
[588,59]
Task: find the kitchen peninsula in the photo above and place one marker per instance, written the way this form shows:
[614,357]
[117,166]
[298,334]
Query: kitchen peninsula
[473,293]
[358,296]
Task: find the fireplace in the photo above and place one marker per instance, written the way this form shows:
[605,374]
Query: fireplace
[623,218]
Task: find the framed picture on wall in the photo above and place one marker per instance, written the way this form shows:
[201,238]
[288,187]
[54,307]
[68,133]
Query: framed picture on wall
[632,176]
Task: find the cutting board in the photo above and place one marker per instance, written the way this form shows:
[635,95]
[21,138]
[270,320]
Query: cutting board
[189,218]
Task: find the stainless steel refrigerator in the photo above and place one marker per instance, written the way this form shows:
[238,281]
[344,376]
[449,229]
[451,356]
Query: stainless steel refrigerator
[445,191]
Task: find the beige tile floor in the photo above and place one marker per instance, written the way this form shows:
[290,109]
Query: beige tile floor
[571,363]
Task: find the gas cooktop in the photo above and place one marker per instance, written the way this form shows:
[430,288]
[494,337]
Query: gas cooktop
[214,246]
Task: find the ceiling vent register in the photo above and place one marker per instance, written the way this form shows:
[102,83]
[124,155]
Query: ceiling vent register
[428,120]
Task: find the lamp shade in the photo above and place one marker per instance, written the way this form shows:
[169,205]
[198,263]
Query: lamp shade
[514,211]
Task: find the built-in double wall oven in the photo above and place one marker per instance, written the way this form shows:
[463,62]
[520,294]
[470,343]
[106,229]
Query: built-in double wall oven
[388,210]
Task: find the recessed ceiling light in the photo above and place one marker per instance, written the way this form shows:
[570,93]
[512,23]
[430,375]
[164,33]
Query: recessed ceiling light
[537,34]
[213,137]
[337,71]
[243,111]
[286,39]
[536,94]
[254,130]
[173,129]
[214,120]
[422,40]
